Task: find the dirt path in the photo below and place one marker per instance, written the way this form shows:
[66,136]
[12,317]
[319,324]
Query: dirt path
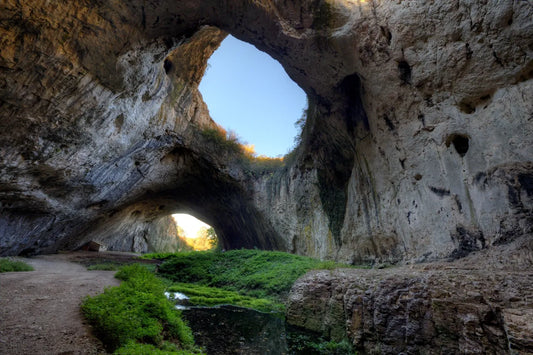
[40,310]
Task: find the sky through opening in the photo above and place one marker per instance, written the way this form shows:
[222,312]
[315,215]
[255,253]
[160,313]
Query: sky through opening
[190,225]
[249,92]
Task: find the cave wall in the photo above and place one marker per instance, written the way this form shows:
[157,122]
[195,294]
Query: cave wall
[441,156]
[417,146]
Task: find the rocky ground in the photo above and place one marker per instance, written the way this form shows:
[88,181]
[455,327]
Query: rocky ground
[40,310]
[478,305]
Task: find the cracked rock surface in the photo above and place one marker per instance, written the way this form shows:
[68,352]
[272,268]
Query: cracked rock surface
[438,308]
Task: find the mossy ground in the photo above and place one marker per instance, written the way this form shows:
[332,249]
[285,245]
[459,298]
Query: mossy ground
[266,276]
[9,265]
[136,316]
[213,296]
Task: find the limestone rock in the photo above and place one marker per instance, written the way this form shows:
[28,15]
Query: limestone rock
[436,308]
[417,145]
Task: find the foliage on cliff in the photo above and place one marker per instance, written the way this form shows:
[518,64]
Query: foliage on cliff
[229,143]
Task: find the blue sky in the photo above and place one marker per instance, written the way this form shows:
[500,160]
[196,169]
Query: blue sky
[249,93]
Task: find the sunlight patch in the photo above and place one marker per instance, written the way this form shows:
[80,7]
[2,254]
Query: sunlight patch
[196,234]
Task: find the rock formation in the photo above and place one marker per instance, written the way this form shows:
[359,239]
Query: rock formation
[479,305]
[417,145]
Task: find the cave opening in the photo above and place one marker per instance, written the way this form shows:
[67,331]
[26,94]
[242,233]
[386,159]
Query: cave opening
[193,233]
[250,95]
[460,143]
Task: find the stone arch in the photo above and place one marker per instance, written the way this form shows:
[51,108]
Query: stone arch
[136,69]
[95,123]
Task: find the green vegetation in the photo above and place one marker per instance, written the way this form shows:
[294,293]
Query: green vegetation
[104,267]
[228,142]
[260,165]
[212,296]
[133,348]
[255,273]
[8,265]
[136,316]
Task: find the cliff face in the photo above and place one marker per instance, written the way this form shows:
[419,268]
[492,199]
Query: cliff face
[436,161]
[449,308]
[417,146]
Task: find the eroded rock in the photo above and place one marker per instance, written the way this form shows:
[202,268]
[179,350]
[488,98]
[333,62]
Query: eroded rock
[417,145]
[436,308]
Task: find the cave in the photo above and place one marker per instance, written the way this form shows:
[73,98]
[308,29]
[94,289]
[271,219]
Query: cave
[104,135]
[460,142]
[111,124]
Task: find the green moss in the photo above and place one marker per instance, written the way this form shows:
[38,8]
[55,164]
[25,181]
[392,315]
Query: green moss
[137,312]
[302,342]
[104,267]
[213,296]
[254,273]
[9,265]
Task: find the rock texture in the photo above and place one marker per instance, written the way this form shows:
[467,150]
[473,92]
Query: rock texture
[437,162]
[417,145]
[439,308]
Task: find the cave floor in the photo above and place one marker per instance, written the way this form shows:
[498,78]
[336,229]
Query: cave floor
[40,310]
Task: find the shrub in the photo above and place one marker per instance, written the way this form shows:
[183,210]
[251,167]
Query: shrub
[137,312]
[228,142]
[8,265]
[307,343]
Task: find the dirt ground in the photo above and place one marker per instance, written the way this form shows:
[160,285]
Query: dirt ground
[40,310]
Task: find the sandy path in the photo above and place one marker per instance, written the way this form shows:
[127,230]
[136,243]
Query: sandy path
[40,310]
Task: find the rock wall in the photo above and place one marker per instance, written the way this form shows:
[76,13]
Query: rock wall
[449,308]
[417,145]
[439,163]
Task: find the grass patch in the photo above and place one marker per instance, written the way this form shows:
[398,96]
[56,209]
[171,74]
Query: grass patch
[136,316]
[213,296]
[9,265]
[104,267]
[255,273]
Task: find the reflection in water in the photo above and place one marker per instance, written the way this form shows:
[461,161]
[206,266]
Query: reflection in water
[235,330]
[181,301]
[227,329]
